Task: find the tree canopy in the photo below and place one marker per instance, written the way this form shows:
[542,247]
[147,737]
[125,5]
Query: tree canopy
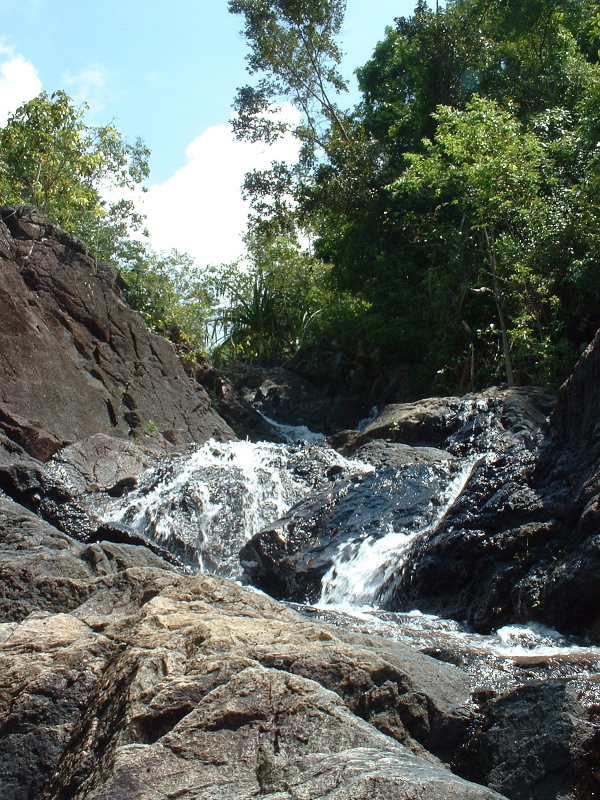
[440,236]
[294,52]
[460,207]
[50,158]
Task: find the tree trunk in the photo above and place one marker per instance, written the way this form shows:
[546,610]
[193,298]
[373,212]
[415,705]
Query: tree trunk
[499,307]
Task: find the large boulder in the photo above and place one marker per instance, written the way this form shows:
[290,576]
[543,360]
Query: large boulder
[496,417]
[120,678]
[519,542]
[76,360]
[407,491]
[523,541]
[538,741]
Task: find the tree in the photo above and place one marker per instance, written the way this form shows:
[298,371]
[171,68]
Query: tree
[51,159]
[294,54]
[293,48]
[415,259]
[271,306]
[175,298]
[488,177]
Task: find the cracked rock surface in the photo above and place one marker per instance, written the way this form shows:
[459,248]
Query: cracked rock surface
[76,359]
[121,679]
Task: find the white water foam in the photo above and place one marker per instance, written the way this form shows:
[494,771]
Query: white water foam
[293,433]
[362,569]
[206,505]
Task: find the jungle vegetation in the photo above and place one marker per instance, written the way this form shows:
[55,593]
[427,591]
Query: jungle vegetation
[441,236]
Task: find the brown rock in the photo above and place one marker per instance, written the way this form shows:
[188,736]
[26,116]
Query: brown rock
[76,360]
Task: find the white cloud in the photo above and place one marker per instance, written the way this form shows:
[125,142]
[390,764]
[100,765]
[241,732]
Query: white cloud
[19,82]
[88,86]
[200,210]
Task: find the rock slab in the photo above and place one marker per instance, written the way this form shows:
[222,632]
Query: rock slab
[76,360]
[121,678]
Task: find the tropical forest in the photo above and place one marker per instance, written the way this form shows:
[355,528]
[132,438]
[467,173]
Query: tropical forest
[440,236]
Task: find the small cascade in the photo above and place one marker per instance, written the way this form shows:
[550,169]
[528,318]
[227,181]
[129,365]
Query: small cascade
[501,660]
[293,433]
[362,570]
[204,506]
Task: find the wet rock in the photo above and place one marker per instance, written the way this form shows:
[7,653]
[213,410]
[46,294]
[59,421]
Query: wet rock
[107,464]
[203,506]
[290,557]
[522,542]
[232,402]
[381,453]
[290,399]
[76,359]
[538,742]
[496,418]
[30,483]
[519,542]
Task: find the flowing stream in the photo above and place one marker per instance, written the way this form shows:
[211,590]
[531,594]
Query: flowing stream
[360,574]
[206,505]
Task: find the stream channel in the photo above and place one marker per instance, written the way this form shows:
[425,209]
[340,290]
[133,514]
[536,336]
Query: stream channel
[205,505]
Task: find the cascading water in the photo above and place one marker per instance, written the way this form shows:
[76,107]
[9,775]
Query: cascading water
[205,505]
[362,569]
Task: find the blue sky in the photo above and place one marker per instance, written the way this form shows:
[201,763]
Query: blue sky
[165,70]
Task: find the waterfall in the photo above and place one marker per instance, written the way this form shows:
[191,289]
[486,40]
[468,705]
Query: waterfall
[205,505]
[362,568]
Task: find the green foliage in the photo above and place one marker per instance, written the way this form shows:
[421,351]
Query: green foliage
[51,159]
[270,308]
[292,46]
[461,206]
[174,297]
[484,174]
[295,56]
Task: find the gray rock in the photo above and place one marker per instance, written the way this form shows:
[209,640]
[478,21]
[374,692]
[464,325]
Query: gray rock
[30,483]
[76,359]
[105,463]
[380,453]
[539,741]
[122,678]
[247,731]
[42,569]
[504,417]
[288,398]
[522,542]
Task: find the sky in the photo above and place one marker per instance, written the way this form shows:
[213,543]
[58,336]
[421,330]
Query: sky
[166,71]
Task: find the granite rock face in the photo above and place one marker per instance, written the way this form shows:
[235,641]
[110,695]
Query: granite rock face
[121,678]
[76,360]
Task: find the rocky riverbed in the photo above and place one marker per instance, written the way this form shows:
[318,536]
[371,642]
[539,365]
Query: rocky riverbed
[129,675]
